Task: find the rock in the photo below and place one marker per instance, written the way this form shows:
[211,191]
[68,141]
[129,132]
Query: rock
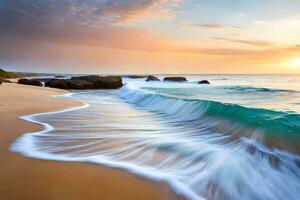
[59,76]
[25,81]
[175,79]
[0,82]
[135,76]
[152,78]
[102,82]
[41,79]
[86,82]
[80,84]
[69,84]
[204,82]
[57,83]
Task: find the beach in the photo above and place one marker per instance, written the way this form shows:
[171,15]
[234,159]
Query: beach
[29,179]
[152,139]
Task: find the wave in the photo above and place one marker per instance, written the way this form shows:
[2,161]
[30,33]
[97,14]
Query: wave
[177,143]
[29,145]
[279,129]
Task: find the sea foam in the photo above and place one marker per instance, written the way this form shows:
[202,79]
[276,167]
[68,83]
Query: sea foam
[201,154]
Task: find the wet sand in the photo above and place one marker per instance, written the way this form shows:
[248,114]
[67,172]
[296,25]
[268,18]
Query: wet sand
[30,179]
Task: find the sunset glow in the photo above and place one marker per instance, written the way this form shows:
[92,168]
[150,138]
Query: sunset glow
[296,62]
[150,36]
[150,99]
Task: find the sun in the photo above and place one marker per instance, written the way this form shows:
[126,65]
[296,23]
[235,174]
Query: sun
[296,62]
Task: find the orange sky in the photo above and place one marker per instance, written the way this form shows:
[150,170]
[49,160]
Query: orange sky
[162,36]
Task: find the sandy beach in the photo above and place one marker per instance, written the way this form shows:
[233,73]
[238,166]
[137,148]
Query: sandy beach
[29,179]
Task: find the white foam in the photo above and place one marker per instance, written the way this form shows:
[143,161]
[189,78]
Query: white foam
[202,157]
[25,146]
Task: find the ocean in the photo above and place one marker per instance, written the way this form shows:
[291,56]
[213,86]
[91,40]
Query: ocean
[236,138]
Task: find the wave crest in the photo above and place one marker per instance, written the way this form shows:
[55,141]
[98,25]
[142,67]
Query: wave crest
[274,128]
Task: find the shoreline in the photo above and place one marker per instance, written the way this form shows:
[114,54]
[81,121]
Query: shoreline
[26,178]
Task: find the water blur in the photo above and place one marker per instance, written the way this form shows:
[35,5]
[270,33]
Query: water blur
[237,138]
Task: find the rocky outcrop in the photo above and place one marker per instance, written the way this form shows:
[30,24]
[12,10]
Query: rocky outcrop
[175,79]
[57,83]
[42,79]
[152,78]
[102,82]
[25,81]
[204,82]
[86,82]
[69,84]
[135,76]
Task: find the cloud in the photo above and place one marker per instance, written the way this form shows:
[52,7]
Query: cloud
[92,23]
[84,22]
[53,13]
[217,51]
[271,51]
[208,26]
[259,43]
[294,48]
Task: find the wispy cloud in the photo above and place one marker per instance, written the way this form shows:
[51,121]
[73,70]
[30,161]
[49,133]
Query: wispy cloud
[260,43]
[213,26]
[294,48]
[55,12]
[237,52]
[84,22]
[208,25]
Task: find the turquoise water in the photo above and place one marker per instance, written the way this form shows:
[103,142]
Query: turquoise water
[275,92]
[267,103]
[237,138]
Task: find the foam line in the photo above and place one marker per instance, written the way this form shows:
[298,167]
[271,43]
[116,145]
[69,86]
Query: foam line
[25,146]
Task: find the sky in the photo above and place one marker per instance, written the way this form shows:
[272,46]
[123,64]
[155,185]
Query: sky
[151,36]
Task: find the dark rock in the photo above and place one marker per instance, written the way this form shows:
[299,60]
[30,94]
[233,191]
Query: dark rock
[86,82]
[57,83]
[80,84]
[69,84]
[59,76]
[135,76]
[204,82]
[152,78]
[25,81]
[41,79]
[102,82]
[175,79]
